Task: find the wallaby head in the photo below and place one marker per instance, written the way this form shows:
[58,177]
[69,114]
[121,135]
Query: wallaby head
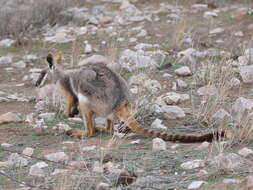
[50,73]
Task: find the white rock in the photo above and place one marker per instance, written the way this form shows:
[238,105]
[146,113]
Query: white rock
[30,57]
[47,116]
[42,164]
[234,83]
[246,73]
[7,42]
[189,165]
[183,71]
[239,34]
[157,124]
[89,148]
[199,6]
[245,151]
[28,151]
[135,142]
[19,64]
[210,14]
[181,84]
[76,119]
[152,85]
[249,54]
[188,52]
[216,31]
[142,33]
[97,167]
[195,185]
[221,114]
[95,59]
[16,160]
[6,145]
[57,157]
[63,127]
[171,98]
[36,171]
[229,181]
[9,117]
[158,144]
[207,90]
[6,60]
[241,105]
[88,48]
[40,105]
[172,112]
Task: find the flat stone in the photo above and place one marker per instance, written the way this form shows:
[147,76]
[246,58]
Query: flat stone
[189,165]
[158,144]
[9,117]
[57,157]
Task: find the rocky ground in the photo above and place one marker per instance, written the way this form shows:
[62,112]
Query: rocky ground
[189,67]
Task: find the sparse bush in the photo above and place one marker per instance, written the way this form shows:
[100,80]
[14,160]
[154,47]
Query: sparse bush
[22,17]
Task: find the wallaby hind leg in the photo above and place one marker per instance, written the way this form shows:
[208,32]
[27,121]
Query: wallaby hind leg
[108,128]
[87,117]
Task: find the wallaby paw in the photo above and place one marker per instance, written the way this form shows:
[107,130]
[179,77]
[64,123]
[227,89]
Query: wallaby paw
[78,133]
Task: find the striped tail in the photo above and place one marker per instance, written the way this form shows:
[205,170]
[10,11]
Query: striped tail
[124,113]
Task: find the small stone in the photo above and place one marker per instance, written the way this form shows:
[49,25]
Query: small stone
[181,84]
[76,119]
[210,14]
[195,185]
[186,53]
[16,160]
[19,64]
[88,48]
[229,181]
[234,83]
[245,152]
[158,144]
[221,114]
[183,71]
[203,146]
[6,60]
[7,42]
[6,145]
[63,127]
[42,164]
[136,141]
[57,157]
[172,98]
[89,148]
[246,73]
[28,151]
[4,164]
[189,165]
[30,58]
[199,6]
[216,31]
[9,117]
[95,59]
[242,105]
[142,33]
[103,186]
[157,124]
[97,167]
[208,90]
[47,116]
[172,112]
[36,171]
[239,34]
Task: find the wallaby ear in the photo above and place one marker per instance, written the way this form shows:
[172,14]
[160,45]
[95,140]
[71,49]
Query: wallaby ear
[58,57]
[50,60]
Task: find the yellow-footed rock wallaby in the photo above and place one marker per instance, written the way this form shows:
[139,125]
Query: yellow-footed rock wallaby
[100,91]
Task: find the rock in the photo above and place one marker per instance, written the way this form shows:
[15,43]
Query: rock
[229,181]
[249,54]
[6,59]
[136,141]
[57,157]
[130,60]
[47,116]
[89,148]
[221,114]
[152,86]
[59,172]
[172,112]
[245,152]
[208,90]
[189,165]
[103,186]
[195,185]
[239,34]
[78,164]
[216,31]
[76,119]
[9,117]
[6,145]
[183,71]
[63,127]
[88,48]
[246,72]
[199,6]
[95,59]
[30,58]
[42,164]
[19,64]
[234,83]
[242,105]
[172,98]
[7,42]
[181,84]
[157,124]
[36,171]
[142,33]
[40,105]
[188,52]
[59,37]
[158,144]
[210,14]
[226,162]
[248,181]
[203,146]
[15,160]
[28,151]
[4,164]
[45,91]
[97,167]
